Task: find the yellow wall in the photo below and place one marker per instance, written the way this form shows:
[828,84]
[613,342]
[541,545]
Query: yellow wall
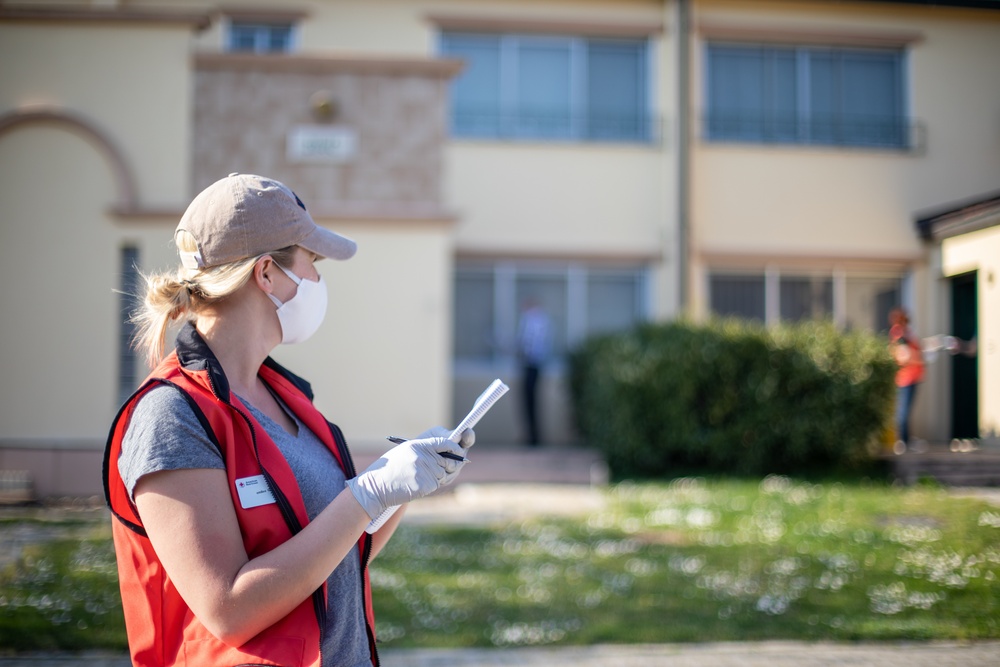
[544,199]
[59,244]
[58,329]
[103,72]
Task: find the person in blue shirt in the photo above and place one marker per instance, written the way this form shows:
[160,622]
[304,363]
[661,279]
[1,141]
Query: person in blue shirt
[533,346]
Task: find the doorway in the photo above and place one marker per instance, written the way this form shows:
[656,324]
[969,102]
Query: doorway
[964,370]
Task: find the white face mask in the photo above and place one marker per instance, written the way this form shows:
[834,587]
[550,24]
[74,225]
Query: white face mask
[301,315]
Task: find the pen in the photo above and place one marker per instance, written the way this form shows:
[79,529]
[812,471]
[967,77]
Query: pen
[448,455]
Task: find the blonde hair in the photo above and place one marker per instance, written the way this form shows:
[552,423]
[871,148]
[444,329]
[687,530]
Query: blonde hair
[187,292]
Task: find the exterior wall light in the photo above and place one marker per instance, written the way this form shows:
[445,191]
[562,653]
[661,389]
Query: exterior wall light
[324,107]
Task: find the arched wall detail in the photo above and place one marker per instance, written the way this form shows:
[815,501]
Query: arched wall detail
[127,193]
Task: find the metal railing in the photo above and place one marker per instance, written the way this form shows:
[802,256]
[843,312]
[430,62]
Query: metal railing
[878,132]
[557,126]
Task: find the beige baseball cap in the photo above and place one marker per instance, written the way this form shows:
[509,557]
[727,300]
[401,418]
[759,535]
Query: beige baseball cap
[244,215]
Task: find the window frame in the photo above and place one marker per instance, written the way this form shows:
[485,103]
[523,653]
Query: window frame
[262,33]
[510,124]
[805,131]
[843,285]
[573,324]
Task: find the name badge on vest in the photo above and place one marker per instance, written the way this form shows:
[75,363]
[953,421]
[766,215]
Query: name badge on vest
[254,492]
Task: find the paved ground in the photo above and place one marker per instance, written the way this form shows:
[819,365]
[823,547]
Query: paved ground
[758,654]
[513,463]
[764,654]
[508,482]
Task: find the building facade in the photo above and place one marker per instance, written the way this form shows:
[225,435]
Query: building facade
[821,132]
[614,160]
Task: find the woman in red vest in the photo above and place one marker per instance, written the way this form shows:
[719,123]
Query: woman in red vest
[239,517]
[908,353]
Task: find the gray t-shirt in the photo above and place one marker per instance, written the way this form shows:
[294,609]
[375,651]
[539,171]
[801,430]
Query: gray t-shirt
[165,434]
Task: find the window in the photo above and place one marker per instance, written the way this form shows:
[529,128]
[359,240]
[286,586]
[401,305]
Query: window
[738,296]
[537,87]
[128,300]
[255,37]
[614,301]
[806,298]
[870,299]
[580,300]
[854,300]
[806,95]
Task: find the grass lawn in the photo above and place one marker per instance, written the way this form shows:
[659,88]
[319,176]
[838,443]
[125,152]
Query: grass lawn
[691,560]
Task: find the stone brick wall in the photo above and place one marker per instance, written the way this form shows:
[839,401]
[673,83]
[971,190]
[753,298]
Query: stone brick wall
[245,106]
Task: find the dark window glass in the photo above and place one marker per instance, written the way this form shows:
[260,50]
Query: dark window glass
[128,300]
[260,37]
[738,296]
[806,298]
[580,301]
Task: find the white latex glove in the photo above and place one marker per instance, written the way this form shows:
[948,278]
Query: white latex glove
[406,472]
[467,440]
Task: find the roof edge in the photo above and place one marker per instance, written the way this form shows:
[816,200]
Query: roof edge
[195,20]
[960,217]
[963,4]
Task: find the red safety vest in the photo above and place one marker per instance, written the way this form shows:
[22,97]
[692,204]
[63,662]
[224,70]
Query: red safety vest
[161,629]
[910,358]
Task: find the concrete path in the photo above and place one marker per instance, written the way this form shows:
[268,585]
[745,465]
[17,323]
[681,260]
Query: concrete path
[756,654]
[507,463]
[763,654]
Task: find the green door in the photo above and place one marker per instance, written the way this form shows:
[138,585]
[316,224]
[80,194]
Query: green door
[964,370]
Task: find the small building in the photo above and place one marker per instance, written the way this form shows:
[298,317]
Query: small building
[964,240]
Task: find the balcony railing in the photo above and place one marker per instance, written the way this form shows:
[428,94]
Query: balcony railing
[556,126]
[845,131]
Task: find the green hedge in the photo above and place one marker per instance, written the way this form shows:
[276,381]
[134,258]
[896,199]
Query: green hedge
[732,396]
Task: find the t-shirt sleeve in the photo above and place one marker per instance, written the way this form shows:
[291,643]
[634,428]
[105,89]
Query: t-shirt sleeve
[164,434]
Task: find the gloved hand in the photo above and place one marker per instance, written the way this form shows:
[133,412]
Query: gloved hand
[406,472]
[467,440]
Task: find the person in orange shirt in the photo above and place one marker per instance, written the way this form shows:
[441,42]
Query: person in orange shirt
[906,350]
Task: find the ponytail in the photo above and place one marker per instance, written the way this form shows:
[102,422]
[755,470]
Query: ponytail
[166,300]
